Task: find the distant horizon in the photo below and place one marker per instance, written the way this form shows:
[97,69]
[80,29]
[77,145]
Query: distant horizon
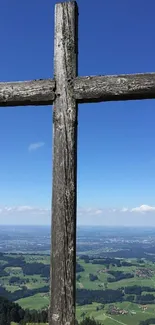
[82,226]
[129,216]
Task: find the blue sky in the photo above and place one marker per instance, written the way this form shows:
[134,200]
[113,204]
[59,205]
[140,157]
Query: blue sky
[116,141]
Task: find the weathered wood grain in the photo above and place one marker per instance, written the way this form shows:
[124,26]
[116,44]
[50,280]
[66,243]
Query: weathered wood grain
[113,88]
[36,92]
[63,256]
[86,89]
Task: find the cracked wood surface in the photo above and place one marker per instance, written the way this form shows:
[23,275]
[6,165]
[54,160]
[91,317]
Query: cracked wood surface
[112,88]
[86,89]
[24,93]
[64,192]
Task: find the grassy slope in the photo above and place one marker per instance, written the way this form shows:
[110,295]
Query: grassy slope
[129,319]
[35,281]
[12,323]
[84,282]
[39,301]
[45,259]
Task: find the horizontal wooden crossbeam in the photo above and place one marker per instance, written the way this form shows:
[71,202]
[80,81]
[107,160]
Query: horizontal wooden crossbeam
[86,89]
[117,87]
[24,93]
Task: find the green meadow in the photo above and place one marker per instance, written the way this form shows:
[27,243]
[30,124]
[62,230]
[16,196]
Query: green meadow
[40,300]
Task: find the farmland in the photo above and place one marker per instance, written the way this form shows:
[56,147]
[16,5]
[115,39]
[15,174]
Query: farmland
[115,275]
[92,278]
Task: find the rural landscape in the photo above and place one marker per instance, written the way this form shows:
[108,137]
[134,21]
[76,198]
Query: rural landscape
[115,274]
[93,63]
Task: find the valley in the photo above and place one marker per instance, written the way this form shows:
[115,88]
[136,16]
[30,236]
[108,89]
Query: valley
[115,280]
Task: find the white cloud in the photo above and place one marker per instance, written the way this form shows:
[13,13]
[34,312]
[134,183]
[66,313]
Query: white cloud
[80,211]
[112,210]
[143,209]
[23,209]
[35,146]
[24,215]
[99,211]
[124,210]
[143,215]
[31,215]
[89,211]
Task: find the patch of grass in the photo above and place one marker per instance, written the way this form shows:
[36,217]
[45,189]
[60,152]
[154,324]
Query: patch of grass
[91,268]
[35,282]
[130,282]
[134,316]
[2,262]
[38,301]
[14,270]
[45,259]
[36,285]
[12,323]
[12,288]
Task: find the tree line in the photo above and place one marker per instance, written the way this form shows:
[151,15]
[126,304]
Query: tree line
[137,290]
[134,250]
[23,292]
[107,261]
[119,275]
[28,268]
[149,321]
[84,296]
[131,293]
[11,312]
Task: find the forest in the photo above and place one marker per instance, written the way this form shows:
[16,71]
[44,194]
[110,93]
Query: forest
[11,312]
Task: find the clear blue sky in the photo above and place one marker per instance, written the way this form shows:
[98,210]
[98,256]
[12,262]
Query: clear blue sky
[116,141]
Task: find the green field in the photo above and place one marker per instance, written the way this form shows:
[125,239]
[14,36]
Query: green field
[37,301]
[134,317]
[91,268]
[12,323]
[45,259]
[134,313]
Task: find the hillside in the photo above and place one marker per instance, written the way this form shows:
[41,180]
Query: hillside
[109,289]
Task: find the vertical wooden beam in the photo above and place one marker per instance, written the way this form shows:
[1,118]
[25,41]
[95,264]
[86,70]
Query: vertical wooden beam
[64,193]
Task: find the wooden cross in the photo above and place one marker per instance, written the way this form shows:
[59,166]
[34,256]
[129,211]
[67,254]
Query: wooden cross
[65,91]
